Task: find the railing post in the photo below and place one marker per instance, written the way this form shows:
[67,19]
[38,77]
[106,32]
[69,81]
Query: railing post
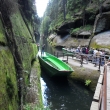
[63,55]
[99,63]
[57,54]
[67,58]
[81,60]
[54,53]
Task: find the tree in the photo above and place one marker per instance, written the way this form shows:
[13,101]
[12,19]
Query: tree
[100,2]
[64,14]
[45,26]
[84,5]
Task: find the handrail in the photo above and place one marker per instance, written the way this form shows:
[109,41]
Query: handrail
[105,88]
[102,103]
[103,93]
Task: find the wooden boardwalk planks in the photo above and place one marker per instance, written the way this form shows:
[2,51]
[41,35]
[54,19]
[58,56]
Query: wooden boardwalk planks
[94,105]
[97,92]
[95,102]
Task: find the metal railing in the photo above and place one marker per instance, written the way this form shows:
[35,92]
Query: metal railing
[103,92]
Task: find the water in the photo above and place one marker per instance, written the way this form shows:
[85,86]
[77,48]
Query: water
[64,94]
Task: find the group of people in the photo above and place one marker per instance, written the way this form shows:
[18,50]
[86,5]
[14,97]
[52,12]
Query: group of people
[93,54]
[86,50]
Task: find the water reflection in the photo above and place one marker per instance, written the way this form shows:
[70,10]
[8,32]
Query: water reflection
[65,94]
[51,50]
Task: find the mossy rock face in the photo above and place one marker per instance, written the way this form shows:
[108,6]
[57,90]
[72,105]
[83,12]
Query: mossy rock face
[101,41]
[3,40]
[8,90]
[82,74]
[26,48]
[34,86]
[17,60]
[102,22]
[19,26]
[69,42]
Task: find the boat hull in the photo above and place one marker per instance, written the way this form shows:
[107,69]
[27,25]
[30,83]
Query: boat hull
[54,70]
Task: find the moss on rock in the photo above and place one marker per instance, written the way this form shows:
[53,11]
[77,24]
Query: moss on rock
[82,74]
[2,34]
[7,69]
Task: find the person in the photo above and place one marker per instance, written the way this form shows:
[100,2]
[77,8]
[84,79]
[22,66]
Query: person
[108,63]
[91,51]
[78,50]
[84,50]
[87,50]
[42,50]
[38,46]
[95,51]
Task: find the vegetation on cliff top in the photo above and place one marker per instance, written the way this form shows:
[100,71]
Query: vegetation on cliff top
[60,12]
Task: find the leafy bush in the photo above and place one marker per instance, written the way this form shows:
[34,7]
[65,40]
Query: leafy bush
[82,28]
[87,82]
[87,27]
[28,107]
[76,30]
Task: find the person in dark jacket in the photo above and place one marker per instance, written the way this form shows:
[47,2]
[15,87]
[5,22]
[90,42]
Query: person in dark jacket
[42,50]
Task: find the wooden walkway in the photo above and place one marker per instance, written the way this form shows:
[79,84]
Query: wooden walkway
[97,101]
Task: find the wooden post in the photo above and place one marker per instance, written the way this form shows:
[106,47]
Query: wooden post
[72,56]
[67,58]
[81,60]
[63,55]
[99,63]
[54,53]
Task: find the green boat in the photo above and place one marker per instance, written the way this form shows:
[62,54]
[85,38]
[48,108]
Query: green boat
[68,52]
[53,65]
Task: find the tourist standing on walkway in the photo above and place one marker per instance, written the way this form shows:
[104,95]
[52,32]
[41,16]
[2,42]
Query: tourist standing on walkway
[84,50]
[91,51]
[87,50]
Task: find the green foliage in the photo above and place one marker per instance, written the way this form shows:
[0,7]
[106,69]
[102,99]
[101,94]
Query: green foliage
[2,34]
[56,23]
[82,28]
[45,25]
[76,5]
[87,82]
[28,107]
[76,30]
[87,27]
[73,9]
[68,16]
[9,87]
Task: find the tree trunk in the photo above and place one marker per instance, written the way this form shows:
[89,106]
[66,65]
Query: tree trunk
[64,10]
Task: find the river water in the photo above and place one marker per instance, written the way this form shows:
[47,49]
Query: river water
[64,94]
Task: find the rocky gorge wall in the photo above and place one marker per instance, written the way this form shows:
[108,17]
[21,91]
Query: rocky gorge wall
[85,35]
[17,54]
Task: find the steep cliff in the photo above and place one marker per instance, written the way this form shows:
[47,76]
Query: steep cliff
[17,51]
[81,20]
